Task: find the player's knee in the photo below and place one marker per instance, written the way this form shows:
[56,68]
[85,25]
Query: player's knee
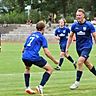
[80,63]
[50,70]
[27,70]
[65,55]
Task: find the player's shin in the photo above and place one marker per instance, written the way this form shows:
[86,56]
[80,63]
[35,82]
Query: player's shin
[26,77]
[45,78]
[61,61]
[93,70]
[79,74]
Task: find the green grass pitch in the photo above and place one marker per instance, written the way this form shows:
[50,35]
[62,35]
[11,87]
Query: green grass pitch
[12,68]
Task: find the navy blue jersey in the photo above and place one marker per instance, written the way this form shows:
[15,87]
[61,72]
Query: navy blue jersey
[83,34]
[32,46]
[62,33]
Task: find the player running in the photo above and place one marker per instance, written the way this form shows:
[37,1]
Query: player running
[83,31]
[31,56]
[61,34]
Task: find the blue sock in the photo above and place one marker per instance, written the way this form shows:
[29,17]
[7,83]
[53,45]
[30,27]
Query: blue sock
[27,77]
[70,59]
[45,78]
[79,74]
[61,61]
[93,70]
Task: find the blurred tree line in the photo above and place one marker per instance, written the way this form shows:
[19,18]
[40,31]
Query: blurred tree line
[16,11]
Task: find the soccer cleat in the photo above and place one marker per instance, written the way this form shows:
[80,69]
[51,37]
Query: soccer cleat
[75,66]
[57,68]
[39,90]
[30,91]
[74,85]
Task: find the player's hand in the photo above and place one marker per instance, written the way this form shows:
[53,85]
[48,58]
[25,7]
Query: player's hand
[22,51]
[66,51]
[57,37]
[56,62]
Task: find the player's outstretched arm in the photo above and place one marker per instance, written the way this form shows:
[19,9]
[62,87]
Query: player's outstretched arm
[48,54]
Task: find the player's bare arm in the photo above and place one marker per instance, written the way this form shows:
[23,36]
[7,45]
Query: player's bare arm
[57,37]
[48,54]
[69,40]
[23,50]
[94,36]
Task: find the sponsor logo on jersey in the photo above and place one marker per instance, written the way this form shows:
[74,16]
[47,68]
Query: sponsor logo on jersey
[80,33]
[61,35]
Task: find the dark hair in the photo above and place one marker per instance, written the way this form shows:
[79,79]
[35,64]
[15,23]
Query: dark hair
[40,25]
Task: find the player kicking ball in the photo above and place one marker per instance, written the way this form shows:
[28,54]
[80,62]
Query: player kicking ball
[30,55]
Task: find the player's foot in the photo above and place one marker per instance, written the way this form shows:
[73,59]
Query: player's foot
[75,66]
[39,90]
[29,91]
[57,68]
[74,85]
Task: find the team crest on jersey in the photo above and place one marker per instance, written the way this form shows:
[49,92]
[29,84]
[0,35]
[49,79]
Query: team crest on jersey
[84,28]
[59,31]
[63,31]
[76,28]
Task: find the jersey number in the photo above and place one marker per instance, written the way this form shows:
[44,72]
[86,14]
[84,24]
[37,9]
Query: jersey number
[31,39]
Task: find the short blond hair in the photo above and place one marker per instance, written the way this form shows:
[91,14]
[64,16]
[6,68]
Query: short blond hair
[81,10]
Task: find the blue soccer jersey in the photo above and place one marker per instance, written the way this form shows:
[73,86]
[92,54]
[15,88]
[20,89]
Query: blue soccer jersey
[32,46]
[62,33]
[83,34]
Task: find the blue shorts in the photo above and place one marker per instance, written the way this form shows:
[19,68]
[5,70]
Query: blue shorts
[84,52]
[63,47]
[41,63]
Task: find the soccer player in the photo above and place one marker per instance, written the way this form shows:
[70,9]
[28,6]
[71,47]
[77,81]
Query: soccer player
[83,31]
[61,34]
[31,56]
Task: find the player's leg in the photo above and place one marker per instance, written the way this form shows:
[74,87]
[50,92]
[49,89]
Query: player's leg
[90,66]
[84,54]
[62,55]
[79,73]
[87,62]
[60,61]
[27,77]
[45,78]
[70,59]
[47,74]
[43,64]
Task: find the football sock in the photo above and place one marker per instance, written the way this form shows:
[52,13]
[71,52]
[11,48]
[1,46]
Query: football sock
[61,61]
[93,70]
[45,78]
[70,59]
[79,74]
[27,77]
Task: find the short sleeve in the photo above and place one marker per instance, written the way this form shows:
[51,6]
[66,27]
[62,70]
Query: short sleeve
[72,28]
[44,42]
[68,30]
[92,28]
[56,32]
